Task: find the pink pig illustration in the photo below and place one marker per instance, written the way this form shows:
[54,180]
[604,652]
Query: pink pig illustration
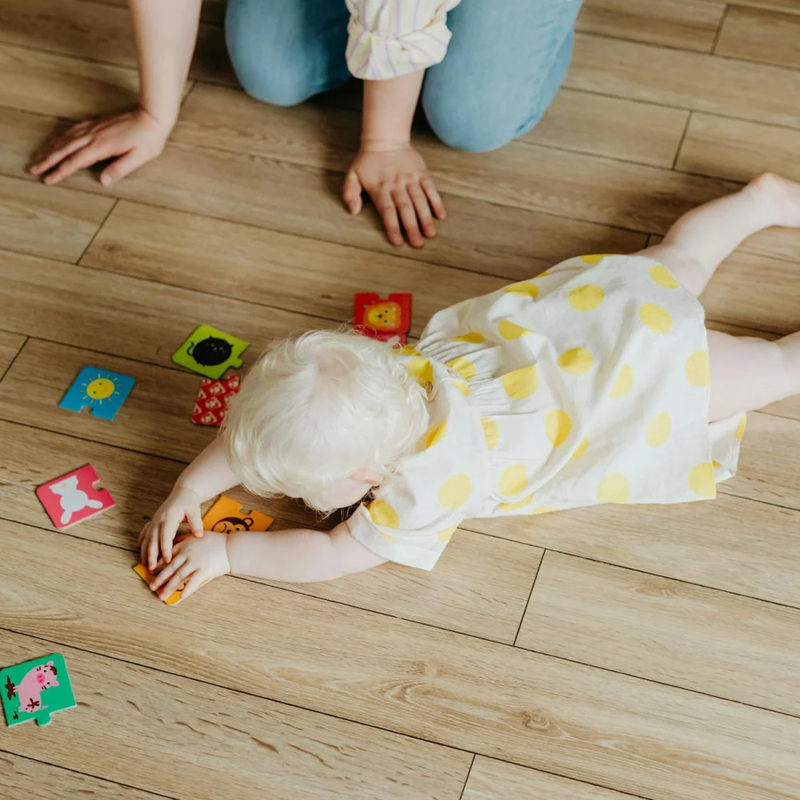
[32,685]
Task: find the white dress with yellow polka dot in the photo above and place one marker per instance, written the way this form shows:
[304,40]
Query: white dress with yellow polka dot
[588,384]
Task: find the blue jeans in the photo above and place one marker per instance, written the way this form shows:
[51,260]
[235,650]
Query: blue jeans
[505,63]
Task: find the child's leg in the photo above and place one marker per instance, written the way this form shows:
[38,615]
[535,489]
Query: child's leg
[751,373]
[700,240]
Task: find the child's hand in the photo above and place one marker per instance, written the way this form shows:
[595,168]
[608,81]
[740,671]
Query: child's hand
[195,562]
[132,138]
[398,182]
[158,534]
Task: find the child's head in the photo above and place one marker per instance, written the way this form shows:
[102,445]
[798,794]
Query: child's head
[322,417]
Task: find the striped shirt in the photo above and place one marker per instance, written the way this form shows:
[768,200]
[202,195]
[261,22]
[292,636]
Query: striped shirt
[389,38]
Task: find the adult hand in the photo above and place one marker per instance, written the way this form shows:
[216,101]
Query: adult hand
[397,180]
[132,138]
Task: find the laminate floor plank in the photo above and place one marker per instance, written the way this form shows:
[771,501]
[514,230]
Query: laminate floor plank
[480,586]
[454,690]
[10,345]
[57,224]
[220,743]
[684,635]
[759,35]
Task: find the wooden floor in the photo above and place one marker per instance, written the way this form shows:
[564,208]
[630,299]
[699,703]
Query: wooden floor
[601,654]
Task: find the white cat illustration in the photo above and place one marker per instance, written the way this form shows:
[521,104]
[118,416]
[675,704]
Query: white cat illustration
[72,499]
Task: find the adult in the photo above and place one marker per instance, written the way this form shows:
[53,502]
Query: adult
[486,72]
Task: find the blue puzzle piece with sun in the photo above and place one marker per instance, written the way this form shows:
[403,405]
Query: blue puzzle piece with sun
[101,390]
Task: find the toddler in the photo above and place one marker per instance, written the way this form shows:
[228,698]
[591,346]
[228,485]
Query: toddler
[595,382]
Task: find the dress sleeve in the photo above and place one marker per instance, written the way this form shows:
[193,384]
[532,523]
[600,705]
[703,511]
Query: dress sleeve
[390,38]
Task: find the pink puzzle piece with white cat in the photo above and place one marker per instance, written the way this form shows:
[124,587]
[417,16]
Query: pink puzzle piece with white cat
[72,498]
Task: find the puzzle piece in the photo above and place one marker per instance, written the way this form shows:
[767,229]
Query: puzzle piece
[226,516]
[148,577]
[100,390]
[36,689]
[383,319]
[72,498]
[212,401]
[210,352]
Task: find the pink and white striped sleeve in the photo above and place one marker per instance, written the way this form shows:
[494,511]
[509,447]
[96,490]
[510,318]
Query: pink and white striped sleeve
[389,38]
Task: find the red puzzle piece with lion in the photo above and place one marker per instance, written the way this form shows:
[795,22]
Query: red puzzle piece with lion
[383,319]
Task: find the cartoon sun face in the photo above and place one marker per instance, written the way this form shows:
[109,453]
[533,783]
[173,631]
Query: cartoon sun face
[99,388]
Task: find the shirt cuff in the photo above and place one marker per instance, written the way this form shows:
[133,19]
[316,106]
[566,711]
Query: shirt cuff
[373,56]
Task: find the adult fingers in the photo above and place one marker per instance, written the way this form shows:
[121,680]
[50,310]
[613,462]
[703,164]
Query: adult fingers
[123,166]
[85,157]
[50,159]
[351,193]
[386,208]
[408,214]
[423,209]
[437,205]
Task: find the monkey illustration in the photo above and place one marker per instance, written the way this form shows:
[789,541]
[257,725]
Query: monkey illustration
[232,524]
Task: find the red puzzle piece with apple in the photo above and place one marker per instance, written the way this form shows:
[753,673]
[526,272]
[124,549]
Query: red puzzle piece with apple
[212,401]
[383,319]
[72,498]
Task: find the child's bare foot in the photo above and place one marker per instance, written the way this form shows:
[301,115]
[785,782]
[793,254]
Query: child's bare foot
[782,195]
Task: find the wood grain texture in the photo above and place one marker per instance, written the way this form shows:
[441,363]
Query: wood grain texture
[10,345]
[64,87]
[731,543]
[697,81]
[766,36]
[34,780]
[275,269]
[451,689]
[210,11]
[220,742]
[497,780]
[688,24]
[480,586]
[731,148]
[611,127]
[48,220]
[97,31]
[664,630]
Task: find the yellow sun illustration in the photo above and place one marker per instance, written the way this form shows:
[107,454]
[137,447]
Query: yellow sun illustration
[99,389]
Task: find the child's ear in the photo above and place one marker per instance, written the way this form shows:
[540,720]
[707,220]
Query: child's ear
[367,476]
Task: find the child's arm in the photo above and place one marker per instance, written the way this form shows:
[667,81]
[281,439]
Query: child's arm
[294,556]
[208,475]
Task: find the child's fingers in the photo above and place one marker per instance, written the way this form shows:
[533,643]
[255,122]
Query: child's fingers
[351,194]
[151,545]
[175,582]
[142,533]
[436,201]
[167,573]
[193,583]
[195,522]
[167,533]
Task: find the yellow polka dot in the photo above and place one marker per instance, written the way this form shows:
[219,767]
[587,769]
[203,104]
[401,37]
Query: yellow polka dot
[741,429]
[387,537]
[595,259]
[655,317]
[659,430]
[463,388]
[446,534]
[701,480]
[663,277]
[383,514]
[557,425]
[490,432]
[523,289]
[510,330]
[465,368]
[514,480]
[435,434]
[526,501]
[473,338]
[521,383]
[455,491]
[716,465]
[541,510]
[585,298]
[698,370]
[581,448]
[623,383]
[421,368]
[576,361]
[614,488]
[407,350]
